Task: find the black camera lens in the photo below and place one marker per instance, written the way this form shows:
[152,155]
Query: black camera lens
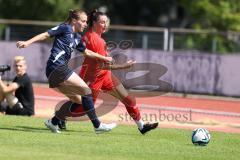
[4,68]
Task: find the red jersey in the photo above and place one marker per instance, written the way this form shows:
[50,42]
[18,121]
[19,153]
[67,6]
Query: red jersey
[91,68]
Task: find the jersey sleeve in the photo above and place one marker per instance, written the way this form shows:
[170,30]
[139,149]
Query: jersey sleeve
[81,46]
[57,30]
[91,42]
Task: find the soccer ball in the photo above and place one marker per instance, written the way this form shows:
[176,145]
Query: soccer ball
[200,136]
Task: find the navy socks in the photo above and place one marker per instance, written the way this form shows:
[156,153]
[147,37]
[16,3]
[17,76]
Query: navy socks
[55,120]
[88,106]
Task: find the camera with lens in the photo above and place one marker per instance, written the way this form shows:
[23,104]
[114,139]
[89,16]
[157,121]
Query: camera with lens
[4,68]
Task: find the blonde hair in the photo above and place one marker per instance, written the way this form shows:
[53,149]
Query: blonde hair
[19,58]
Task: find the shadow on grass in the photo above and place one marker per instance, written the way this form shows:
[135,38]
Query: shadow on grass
[38,129]
[23,128]
[68,131]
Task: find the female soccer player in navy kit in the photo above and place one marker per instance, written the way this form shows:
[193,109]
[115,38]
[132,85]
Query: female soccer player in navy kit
[67,37]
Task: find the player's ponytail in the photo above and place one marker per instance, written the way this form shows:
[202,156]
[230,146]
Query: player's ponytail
[93,17]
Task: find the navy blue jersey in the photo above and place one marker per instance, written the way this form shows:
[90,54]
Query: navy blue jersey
[64,43]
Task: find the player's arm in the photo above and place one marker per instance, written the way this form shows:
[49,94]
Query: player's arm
[39,37]
[92,54]
[10,88]
[81,47]
[112,66]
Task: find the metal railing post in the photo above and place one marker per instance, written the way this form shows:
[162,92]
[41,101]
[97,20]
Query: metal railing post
[214,45]
[165,39]
[145,41]
[171,41]
[7,33]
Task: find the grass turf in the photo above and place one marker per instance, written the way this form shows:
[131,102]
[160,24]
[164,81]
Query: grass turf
[24,138]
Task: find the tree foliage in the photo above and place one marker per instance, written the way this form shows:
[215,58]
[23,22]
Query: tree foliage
[55,10]
[138,12]
[211,14]
[203,14]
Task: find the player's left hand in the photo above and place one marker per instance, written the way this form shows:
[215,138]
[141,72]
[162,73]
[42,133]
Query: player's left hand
[129,64]
[22,44]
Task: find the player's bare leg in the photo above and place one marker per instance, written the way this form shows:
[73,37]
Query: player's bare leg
[79,93]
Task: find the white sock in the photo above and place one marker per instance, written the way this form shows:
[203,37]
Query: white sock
[11,100]
[140,124]
[20,105]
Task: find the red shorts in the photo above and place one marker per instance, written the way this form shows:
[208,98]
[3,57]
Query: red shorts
[106,82]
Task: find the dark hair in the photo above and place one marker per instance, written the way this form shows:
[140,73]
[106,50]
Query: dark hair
[94,16]
[73,14]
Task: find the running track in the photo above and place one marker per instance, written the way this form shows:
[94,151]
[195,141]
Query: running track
[171,111]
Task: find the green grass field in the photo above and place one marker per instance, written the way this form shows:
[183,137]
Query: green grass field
[25,138]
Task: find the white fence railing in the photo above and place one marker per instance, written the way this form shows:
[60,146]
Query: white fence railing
[143,37]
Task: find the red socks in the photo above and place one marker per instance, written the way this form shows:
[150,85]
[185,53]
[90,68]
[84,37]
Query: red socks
[132,109]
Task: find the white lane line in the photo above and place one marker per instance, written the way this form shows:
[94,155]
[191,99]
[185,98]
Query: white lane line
[154,107]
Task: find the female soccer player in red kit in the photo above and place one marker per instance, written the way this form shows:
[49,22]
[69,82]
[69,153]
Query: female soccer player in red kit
[97,74]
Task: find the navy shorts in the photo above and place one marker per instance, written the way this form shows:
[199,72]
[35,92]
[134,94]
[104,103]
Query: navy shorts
[57,75]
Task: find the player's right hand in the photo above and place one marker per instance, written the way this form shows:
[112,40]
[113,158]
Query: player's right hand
[22,44]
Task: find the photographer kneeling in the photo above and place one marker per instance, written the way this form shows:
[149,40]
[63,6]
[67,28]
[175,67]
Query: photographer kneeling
[19,94]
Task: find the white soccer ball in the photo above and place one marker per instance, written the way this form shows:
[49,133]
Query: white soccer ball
[200,136]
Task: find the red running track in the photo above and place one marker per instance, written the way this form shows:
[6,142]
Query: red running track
[213,114]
